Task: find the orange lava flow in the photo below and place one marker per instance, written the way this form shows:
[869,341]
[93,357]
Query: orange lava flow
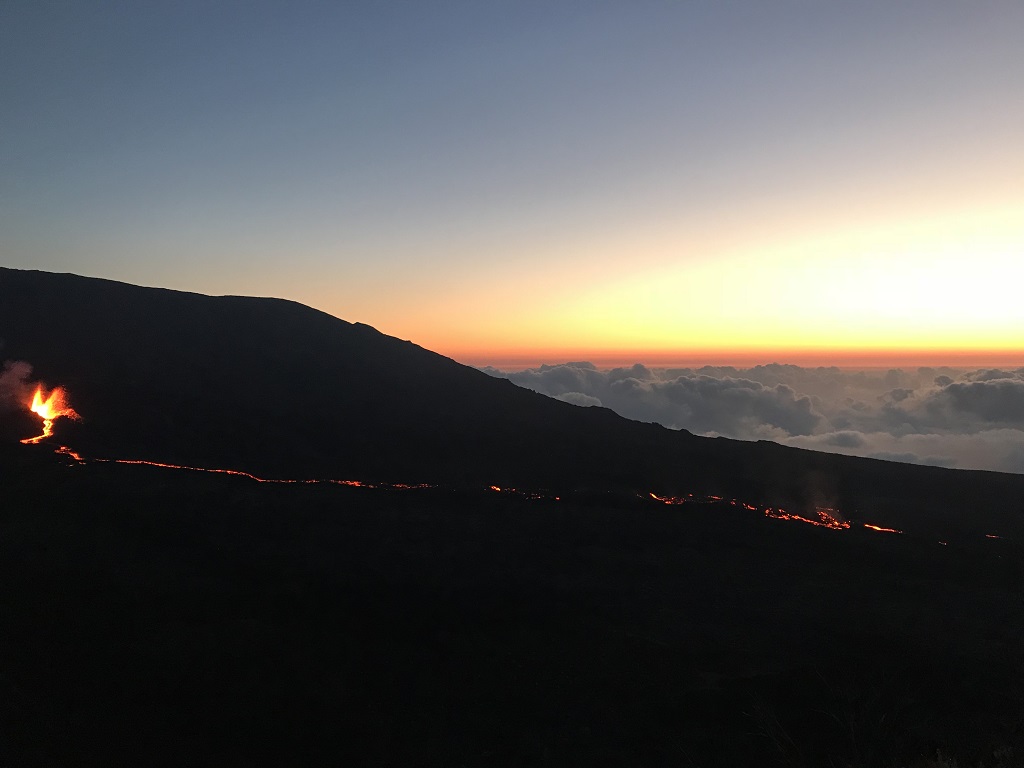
[247,475]
[827,518]
[52,406]
[65,451]
[880,528]
[49,409]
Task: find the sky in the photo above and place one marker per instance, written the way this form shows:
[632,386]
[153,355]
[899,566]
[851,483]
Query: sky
[516,183]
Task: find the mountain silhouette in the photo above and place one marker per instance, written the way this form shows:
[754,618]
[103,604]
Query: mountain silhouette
[279,389]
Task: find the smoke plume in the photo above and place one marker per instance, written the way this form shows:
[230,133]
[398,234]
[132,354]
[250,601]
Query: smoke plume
[13,384]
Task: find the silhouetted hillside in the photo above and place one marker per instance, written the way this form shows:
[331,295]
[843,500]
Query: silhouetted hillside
[277,388]
[158,617]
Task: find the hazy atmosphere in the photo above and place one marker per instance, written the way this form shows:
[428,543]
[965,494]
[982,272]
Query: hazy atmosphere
[539,182]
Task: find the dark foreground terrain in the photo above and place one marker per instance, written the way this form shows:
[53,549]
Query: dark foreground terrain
[165,617]
[161,617]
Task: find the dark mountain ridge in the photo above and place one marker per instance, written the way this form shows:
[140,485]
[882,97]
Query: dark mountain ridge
[283,390]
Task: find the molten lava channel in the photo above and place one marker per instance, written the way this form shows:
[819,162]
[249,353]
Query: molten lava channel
[54,405]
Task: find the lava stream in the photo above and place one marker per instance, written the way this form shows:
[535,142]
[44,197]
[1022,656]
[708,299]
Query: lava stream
[827,517]
[884,530]
[55,405]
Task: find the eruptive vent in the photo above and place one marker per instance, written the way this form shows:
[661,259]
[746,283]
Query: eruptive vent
[49,408]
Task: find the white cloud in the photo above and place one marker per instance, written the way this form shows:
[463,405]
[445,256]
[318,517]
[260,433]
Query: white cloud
[939,416]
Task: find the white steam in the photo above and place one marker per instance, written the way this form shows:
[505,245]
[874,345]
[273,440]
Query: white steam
[14,377]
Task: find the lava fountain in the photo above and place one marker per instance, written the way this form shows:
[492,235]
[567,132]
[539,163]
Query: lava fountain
[49,408]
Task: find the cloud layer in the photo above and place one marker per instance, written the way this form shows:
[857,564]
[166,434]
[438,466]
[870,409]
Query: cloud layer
[972,419]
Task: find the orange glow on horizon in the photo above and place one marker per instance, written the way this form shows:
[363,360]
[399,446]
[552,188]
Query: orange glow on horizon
[928,286]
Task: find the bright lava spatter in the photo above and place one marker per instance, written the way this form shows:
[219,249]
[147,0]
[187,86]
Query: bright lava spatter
[49,409]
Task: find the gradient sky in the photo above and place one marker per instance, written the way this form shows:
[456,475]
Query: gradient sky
[539,181]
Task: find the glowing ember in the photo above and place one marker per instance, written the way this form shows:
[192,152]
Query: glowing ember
[49,408]
[883,530]
[827,517]
[667,499]
[65,451]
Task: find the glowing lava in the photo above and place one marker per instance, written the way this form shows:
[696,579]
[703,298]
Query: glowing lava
[52,406]
[886,530]
[49,408]
[827,517]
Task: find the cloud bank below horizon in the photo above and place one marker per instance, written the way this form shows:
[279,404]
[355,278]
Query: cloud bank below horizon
[949,417]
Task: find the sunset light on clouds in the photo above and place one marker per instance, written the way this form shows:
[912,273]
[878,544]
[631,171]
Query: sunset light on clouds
[518,183]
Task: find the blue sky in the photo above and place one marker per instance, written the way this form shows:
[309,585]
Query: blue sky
[494,178]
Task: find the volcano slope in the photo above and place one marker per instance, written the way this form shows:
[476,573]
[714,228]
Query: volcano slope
[165,617]
[282,390]
[161,617]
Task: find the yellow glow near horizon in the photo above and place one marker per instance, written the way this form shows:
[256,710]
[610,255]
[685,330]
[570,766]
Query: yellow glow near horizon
[936,285]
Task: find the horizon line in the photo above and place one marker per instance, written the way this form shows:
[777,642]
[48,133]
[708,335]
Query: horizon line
[520,360]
